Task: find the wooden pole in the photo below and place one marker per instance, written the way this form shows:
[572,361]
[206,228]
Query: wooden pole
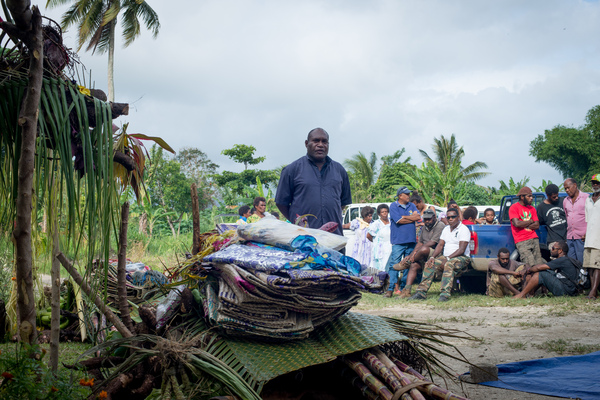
[88,291]
[55,298]
[196,220]
[121,272]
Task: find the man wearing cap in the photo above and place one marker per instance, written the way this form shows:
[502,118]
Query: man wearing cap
[591,252]
[451,255]
[574,205]
[403,233]
[523,223]
[428,240]
[314,185]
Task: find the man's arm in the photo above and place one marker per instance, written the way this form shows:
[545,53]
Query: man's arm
[517,223]
[497,269]
[438,249]
[538,268]
[409,219]
[462,246]
[285,210]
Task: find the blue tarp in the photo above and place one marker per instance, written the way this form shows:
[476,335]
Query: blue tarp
[572,377]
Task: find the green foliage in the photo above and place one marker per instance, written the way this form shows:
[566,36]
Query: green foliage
[361,172]
[243,154]
[571,151]
[196,166]
[26,376]
[390,177]
[476,195]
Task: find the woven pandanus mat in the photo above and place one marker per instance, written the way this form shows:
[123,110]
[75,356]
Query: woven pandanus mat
[259,362]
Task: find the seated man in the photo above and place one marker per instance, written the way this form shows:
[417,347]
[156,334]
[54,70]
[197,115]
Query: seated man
[559,276]
[430,236]
[504,276]
[454,242]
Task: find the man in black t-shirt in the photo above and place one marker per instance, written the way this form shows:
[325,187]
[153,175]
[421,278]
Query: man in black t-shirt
[551,213]
[558,276]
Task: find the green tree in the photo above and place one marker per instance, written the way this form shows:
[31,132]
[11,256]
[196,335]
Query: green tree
[362,173]
[390,177]
[448,155]
[243,154]
[196,166]
[96,21]
[571,151]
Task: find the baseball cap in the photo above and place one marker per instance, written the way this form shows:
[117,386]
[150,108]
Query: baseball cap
[428,214]
[524,191]
[595,178]
[402,189]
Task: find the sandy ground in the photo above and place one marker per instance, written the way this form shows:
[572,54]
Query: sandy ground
[506,334]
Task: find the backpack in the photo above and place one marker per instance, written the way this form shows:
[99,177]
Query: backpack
[583,279]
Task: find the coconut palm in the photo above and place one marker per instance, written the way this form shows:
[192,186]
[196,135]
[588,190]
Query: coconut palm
[362,171]
[448,155]
[96,21]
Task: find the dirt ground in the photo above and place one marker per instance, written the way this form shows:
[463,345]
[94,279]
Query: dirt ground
[507,334]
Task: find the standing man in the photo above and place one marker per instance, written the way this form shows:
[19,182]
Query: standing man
[574,205]
[314,184]
[454,245]
[523,223]
[550,212]
[591,252]
[403,233]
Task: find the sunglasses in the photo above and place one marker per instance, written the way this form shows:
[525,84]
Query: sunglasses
[451,216]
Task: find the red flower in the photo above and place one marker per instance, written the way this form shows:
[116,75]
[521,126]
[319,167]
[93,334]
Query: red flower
[103,395]
[8,375]
[53,389]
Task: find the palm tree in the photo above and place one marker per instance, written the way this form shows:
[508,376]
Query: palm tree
[96,21]
[362,171]
[448,154]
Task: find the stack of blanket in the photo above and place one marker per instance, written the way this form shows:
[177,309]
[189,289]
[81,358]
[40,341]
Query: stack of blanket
[269,292]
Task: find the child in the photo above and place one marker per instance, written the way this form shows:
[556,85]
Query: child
[489,217]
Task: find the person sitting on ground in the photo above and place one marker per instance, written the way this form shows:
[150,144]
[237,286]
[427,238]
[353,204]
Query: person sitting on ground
[244,212]
[454,245]
[470,216]
[559,276]
[260,206]
[550,212]
[489,217]
[523,223]
[430,236]
[504,276]
[451,204]
[361,251]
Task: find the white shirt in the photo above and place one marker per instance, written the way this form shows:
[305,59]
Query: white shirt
[452,239]
[592,217]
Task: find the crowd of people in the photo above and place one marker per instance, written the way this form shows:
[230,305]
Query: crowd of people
[414,245]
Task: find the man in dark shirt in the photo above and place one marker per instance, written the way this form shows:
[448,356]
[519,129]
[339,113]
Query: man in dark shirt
[559,276]
[314,185]
[551,213]
[430,236]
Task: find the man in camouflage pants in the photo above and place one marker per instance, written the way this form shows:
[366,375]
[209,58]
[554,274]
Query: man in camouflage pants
[454,247]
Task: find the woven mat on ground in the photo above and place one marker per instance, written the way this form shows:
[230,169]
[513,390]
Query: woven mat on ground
[258,362]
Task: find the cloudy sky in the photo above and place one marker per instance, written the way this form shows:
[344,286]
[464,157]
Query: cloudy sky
[378,75]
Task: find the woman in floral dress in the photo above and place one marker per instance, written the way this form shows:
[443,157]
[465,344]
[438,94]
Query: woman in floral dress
[379,234]
[362,246]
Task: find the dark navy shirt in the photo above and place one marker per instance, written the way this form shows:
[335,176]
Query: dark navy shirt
[306,190]
[402,233]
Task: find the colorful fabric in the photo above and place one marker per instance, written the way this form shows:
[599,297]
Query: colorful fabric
[382,248]
[522,213]
[453,268]
[575,213]
[321,257]
[361,251]
[496,289]
[402,233]
[261,259]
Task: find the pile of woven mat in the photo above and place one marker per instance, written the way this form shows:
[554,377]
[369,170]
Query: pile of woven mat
[277,280]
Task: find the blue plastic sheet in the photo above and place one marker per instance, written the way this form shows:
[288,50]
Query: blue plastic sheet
[572,377]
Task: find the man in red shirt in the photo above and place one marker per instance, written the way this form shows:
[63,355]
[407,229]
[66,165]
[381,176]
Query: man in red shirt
[523,223]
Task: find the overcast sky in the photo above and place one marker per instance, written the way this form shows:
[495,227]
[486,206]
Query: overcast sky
[377,75]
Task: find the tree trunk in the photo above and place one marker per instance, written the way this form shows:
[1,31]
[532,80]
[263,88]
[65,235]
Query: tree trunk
[195,220]
[121,273]
[55,299]
[111,61]
[29,23]
[143,224]
[171,225]
[121,328]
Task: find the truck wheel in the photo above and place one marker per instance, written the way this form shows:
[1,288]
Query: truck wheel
[472,284]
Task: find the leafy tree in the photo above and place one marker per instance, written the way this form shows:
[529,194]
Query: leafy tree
[571,151]
[508,188]
[243,154]
[448,155]
[361,171]
[96,21]
[476,195]
[390,177]
[196,166]
[237,182]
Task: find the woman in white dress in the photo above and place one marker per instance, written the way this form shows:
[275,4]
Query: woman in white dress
[379,234]
[361,251]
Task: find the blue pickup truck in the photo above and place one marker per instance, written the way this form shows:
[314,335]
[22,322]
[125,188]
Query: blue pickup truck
[486,240]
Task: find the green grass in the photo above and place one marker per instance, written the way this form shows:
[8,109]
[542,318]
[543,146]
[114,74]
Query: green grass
[535,324]
[68,353]
[562,346]
[517,345]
